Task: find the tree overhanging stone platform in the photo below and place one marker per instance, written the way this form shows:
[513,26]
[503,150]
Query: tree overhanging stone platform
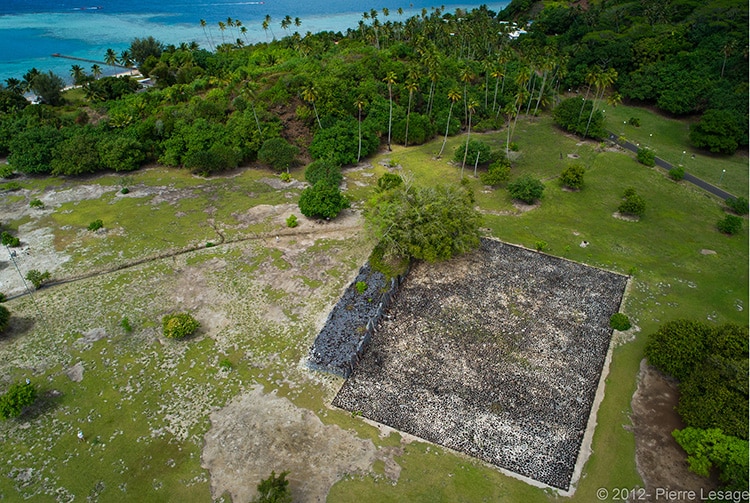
[496,354]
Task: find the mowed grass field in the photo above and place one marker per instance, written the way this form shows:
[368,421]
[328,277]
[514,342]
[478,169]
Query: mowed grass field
[144,404]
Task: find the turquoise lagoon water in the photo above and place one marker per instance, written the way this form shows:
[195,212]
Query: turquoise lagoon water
[32,30]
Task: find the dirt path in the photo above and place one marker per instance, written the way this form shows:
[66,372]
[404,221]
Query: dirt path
[659,458]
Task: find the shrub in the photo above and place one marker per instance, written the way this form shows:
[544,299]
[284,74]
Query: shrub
[322,200]
[646,156]
[285,177]
[677,347]
[4,318]
[730,224]
[277,153]
[711,447]
[3,297]
[12,186]
[526,189]
[36,203]
[96,225]
[291,221]
[497,174]
[274,490]
[633,204]
[18,396]
[178,326]
[37,278]
[324,169]
[634,121]
[124,190]
[389,181]
[739,205]
[361,286]
[572,177]
[225,365]
[630,191]
[513,147]
[9,239]
[475,147]
[125,324]
[540,245]
[6,171]
[619,321]
[677,173]
[573,115]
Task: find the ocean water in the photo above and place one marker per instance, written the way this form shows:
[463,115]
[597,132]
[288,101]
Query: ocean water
[32,30]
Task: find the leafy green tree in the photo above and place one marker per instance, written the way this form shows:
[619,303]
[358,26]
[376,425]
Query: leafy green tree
[718,131]
[218,158]
[340,142]
[322,201]
[9,239]
[19,396]
[677,347]
[325,170]
[646,156]
[572,176]
[526,188]
[453,95]
[179,325]
[77,154]
[31,150]
[278,153]
[570,115]
[715,395]
[37,278]
[712,447]
[120,153]
[739,205]
[48,86]
[633,205]
[274,490]
[11,101]
[426,223]
[143,48]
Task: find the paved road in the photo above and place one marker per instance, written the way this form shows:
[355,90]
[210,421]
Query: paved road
[664,164]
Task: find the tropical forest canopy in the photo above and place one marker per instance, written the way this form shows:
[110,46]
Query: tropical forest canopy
[339,96]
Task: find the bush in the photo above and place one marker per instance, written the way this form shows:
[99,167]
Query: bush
[18,396]
[677,173]
[36,203]
[646,156]
[730,224]
[12,186]
[277,153]
[572,177]
[4,318]
[711,447]
[475,147]
[619,321]
[178,326]
[677,347]
[719,131]
[573,114]
[96,225]
[540,245]
[291,221]
[739,205]
[361,286]
[3,297]
[285,177]
[634,121]
[124,190]
[274,490]
[497,174]
[633,204]
[324,169]
[37,278]
[9,239]
[526,189]
[125,324]
[389,181]
[322,200]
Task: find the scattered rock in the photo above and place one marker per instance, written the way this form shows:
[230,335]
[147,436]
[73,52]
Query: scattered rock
[75,373]
[707,252]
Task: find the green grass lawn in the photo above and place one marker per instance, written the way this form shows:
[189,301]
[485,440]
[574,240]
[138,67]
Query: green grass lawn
[134,384]
[669,138]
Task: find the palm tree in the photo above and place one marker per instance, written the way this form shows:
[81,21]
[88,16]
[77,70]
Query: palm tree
[728,49]
[471,106]
[411,86]
[267,26]
[309,95]
[110,57]
[222,27]
[496,73]
[96,71]
[78,74]
[15,85]
[249,91]
[454,96]
[125,59]
[359,103]
[466,77]
[286,23]
[602,81]
[297,22]
[207,34]
[390,79]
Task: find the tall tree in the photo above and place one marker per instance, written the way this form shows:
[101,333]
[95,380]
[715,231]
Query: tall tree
[207,34]
[309,95]
[471,107]
[110,57]
[411,86]
[390,79]
[78,74]
[602,81]
[96,71]
[359,103]
[453,96]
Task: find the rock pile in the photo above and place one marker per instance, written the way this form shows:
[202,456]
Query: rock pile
[496,354]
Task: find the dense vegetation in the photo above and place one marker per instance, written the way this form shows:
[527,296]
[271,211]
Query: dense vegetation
[711,363]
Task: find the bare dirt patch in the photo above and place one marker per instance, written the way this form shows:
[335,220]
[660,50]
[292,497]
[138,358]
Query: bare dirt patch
[260,432]
[660,460]
[497,354]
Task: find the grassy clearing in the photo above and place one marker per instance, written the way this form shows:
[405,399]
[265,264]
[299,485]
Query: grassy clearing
[669,138]
[143,404]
